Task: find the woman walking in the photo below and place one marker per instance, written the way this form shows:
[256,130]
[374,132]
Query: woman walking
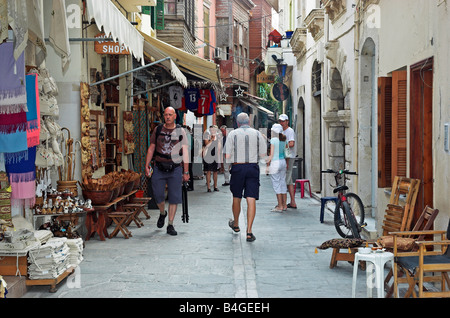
[276,166]
[211,156]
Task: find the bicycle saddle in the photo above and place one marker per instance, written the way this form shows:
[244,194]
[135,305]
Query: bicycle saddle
[339,189]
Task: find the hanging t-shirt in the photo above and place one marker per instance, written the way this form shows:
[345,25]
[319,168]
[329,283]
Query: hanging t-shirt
[191,97]
[204,103]
[176,94]
[212,107]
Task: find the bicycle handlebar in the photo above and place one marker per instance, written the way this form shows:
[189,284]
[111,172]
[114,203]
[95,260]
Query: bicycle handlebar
[339,172]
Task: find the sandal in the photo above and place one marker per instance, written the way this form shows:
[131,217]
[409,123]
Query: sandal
[250,237]
[291,207]
[235,229]
[276,210]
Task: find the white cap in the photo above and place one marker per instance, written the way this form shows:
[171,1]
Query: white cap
[277,128]
[283,117]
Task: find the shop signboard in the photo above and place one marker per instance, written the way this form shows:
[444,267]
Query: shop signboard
[263,77]
[109,47]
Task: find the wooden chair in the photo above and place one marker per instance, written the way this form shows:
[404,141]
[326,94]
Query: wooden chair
[424,264]
[424,223]
[398,215]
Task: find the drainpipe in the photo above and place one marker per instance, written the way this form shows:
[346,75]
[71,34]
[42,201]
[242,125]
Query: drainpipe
[356,90]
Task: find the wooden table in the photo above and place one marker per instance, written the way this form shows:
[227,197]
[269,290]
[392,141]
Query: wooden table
[96,217]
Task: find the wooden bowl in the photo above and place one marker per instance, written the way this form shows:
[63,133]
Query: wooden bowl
[115,193]
[137,183]
[98,197]
[128,187]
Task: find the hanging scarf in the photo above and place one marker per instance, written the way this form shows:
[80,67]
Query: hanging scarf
[33,114]
[17,11]
[15,144]
[22,178]
[13,97]
[11,123]
[3,20]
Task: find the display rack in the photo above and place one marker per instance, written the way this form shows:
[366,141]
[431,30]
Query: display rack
[113,142]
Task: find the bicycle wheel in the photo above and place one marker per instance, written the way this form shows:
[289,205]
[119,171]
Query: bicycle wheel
[348,223]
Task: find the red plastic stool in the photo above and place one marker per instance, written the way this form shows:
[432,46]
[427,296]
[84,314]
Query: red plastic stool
[302,184]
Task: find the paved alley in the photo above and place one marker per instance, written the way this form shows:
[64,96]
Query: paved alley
[207,260]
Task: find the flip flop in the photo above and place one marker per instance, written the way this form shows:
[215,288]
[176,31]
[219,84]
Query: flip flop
[291,207]
[276,210]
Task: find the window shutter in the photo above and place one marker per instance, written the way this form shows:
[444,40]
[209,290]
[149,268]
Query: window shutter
[399,123]
[159,25]
[384,131]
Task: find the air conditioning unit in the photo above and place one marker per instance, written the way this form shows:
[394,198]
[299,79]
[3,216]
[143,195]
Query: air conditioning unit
[218,53]
[273,55]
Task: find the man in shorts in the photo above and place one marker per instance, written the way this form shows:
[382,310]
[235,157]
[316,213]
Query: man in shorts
[169,147]
[244,147]
[290,154]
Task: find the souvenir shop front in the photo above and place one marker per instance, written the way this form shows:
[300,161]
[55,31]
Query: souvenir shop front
[50,132]
[72,160]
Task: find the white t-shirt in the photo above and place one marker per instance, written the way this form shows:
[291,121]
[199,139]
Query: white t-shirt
[290,136]
[176,94]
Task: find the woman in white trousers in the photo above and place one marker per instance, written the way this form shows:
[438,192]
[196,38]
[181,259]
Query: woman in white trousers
[276,166]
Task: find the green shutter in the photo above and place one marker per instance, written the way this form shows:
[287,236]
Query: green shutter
[159,25]
[146,10]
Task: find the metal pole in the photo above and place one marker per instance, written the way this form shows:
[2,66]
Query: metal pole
[128,72]
[152,89]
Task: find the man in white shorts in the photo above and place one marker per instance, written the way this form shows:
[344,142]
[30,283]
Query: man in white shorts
[290,155]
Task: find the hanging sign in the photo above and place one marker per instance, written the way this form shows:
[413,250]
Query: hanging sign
[263,77]
[109,47]
[280,92]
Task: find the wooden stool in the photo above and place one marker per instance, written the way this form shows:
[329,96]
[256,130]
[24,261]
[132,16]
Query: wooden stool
[302,184]
[323,202]
[144,201]
[136,209]
[120,218]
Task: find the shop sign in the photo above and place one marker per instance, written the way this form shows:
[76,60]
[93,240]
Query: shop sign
[226,108]
[263,77]
[109,47]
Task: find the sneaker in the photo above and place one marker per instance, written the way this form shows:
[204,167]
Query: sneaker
[171,230]
[161,219]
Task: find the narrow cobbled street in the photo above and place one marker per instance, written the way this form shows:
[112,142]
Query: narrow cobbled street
[206,260]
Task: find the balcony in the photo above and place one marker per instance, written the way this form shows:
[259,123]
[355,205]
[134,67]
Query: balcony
[314,23]
[334,8]
[298,42]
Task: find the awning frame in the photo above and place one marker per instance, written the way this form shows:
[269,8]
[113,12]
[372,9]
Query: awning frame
[130,71]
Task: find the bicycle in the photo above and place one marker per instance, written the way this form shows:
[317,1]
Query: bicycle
[349,211]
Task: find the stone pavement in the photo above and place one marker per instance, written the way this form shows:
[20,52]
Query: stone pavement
[207,260]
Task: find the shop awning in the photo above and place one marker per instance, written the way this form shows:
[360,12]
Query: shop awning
[132,5]
[152,52]
[186,62]
[108,16]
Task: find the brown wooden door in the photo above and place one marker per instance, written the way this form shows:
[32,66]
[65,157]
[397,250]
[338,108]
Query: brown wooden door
[384,131]
[421,122]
